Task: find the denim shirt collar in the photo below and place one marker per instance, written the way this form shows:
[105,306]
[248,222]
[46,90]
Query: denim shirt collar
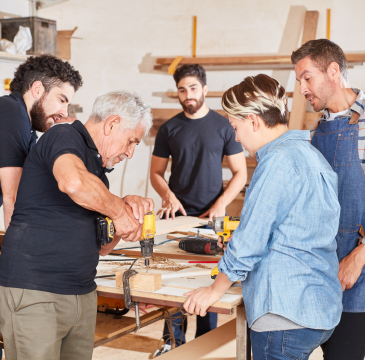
[289,135]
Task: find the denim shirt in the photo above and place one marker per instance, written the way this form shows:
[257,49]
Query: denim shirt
[284,249]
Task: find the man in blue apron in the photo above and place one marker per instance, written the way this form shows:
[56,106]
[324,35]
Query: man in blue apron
[321,69]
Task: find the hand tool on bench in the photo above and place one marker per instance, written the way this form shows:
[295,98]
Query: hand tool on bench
[224,227]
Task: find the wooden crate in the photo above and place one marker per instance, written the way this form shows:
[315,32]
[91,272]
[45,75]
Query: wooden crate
[44,33]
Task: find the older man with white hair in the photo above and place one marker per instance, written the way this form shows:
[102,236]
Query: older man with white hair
[50,250]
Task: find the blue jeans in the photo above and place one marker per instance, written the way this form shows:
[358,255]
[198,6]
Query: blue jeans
[288,344]
[203,325]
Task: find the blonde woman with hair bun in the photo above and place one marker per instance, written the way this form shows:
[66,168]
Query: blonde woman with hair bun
[284,249]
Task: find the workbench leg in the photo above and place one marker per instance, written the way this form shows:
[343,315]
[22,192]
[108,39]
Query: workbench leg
[243,343]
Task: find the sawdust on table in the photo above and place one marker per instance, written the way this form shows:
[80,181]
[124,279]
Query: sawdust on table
[156,263]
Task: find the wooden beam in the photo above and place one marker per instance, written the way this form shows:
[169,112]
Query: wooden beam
[142,281]
[254,60]
[242,350]
[297,116]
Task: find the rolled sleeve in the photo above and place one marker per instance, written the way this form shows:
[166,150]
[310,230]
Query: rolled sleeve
[267,203]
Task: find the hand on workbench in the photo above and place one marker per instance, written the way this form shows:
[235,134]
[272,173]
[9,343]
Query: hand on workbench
[170,205]
[217,209]
[140,206]
[127,226]
[351,267]
[200,300]
[220,242]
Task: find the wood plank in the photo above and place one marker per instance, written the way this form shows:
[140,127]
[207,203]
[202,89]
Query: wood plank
[141,281]
[242,351]
[218,344]
[298,114]
[253,60]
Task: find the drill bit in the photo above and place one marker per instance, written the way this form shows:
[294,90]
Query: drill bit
[147,263]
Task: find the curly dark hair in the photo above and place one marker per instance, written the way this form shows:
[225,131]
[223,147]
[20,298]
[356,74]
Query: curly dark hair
[48,69]
[322,52]
[191,70]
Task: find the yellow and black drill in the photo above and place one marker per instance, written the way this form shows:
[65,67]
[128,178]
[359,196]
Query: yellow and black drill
[147,239]
[223,226]
[105,234]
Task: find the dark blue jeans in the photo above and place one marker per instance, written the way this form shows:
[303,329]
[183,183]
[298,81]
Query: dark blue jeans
[288,344]
[203,325]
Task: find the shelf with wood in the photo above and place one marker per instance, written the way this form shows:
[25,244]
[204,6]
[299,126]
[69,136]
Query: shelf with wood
[258,62]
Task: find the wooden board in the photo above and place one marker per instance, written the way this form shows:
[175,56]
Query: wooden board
[219,343]
[172,295]
[145,282]
[298,114]
[250,60]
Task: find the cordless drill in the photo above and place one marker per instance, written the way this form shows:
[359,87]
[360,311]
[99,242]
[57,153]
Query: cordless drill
[105,234]
[147,239]
[223,227]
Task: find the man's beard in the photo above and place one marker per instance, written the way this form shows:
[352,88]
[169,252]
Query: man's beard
[193,108]
[326,93]
[39,117]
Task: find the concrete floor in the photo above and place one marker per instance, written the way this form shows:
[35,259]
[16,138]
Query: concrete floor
[142,345]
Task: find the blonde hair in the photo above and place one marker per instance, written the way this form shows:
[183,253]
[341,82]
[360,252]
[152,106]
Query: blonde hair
[260,95]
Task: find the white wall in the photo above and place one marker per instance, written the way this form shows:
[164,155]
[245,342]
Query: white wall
[121,37]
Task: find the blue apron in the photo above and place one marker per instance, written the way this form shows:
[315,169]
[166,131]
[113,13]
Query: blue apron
[337,140]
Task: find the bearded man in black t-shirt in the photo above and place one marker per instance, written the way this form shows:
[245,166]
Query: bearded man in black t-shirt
[41,90]
[196,139]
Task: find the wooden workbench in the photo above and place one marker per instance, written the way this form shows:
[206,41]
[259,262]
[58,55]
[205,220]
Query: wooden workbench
[171,295]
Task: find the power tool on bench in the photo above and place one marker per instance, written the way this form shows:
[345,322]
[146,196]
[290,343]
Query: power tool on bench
[223,226]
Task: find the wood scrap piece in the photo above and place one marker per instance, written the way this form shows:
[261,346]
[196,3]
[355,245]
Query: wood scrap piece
[176,235]
[297,115]
[208,236]
[142,281]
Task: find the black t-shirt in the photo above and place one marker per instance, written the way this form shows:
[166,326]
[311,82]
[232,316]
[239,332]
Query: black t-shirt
[197,148]
[16,134]
[51,243]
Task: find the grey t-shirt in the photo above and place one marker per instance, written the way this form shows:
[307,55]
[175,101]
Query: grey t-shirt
[273,322]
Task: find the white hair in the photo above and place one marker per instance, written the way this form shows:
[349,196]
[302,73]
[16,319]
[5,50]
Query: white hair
[132,111]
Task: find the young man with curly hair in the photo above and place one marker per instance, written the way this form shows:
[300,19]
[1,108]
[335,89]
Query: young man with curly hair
[41,90]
